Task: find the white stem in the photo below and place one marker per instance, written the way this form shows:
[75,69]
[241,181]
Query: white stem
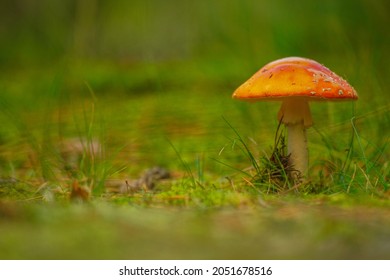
[297,148]
[296,116]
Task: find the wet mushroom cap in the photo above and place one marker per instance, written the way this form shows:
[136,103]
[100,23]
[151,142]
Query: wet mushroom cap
[298,77]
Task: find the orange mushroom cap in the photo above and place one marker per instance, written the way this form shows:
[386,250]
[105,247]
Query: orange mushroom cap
[295,76]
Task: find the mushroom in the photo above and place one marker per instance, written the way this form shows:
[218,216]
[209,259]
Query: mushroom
[295,81]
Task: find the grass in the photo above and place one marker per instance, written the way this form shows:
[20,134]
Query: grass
[78,132]
[205,210]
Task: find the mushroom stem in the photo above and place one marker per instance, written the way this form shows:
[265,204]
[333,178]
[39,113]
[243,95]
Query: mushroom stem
[296,116]
[297,149]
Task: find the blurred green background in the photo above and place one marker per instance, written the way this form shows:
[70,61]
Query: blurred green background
[152,81]
[123,32]
[203,41]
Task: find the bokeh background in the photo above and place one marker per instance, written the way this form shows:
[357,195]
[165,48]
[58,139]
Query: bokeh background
[48,32]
